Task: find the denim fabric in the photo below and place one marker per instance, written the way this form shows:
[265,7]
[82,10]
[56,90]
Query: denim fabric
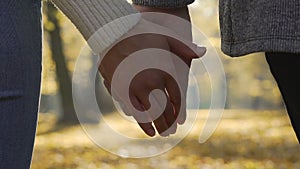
[20,78]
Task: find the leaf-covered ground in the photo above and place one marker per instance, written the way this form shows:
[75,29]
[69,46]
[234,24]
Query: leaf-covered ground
[244,139]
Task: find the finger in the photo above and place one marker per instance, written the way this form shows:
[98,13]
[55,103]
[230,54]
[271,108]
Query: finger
[174,95]
[118,100]
[166,119]
[187,50]
[171,130]
[107,86]
[102,72]
[115,97]
[146,127]
[178,102]
[170,118]
[160,123]
[169,114]
[181,118]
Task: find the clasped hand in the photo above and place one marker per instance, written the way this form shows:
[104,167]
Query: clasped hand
[148,80]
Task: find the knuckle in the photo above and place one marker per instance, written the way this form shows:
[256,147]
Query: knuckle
[153,84]
[176,100]
[101,69]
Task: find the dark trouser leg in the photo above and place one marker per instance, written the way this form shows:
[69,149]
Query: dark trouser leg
[285,68]
[20,76]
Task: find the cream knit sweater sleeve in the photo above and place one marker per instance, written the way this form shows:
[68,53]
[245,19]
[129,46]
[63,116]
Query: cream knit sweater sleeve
[101,22]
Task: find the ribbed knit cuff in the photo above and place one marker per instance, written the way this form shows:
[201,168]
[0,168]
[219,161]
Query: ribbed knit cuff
[105,18]
[163,3]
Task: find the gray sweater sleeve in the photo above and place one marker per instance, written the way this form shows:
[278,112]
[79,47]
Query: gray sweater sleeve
[163,3]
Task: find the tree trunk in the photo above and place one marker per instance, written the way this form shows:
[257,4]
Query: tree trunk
[62,73]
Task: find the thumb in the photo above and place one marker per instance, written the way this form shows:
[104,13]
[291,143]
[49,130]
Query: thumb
[185,50]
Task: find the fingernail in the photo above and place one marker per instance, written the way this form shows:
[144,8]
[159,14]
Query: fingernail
[201,51]
[200,46]
[151,132]
[165,134]
[181,121]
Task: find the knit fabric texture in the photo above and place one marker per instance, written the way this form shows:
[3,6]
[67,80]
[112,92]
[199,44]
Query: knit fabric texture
[163,3]
[101,22]
[259,26]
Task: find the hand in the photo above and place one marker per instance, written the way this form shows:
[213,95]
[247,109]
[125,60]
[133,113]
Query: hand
[151,79]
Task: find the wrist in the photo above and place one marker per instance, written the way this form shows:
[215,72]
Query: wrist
[182,12]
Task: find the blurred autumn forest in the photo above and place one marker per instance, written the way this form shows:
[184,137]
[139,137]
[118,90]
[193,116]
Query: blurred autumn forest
[254,133]
[249,82]
[61,42]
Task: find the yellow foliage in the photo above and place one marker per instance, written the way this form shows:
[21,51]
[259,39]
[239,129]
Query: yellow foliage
[245,139]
